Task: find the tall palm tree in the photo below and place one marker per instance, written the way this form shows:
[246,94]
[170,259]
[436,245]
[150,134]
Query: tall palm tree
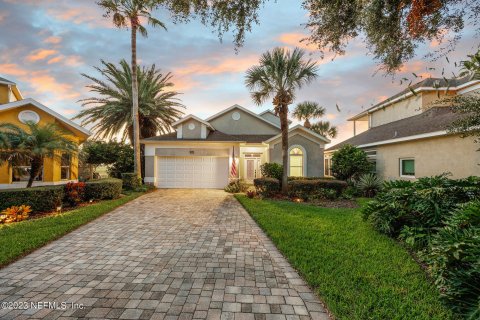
[127,13]
[34,145]
[307,110]
[280,73]
[111,111]
[324,128]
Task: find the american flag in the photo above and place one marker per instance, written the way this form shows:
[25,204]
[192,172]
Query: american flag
[233,171]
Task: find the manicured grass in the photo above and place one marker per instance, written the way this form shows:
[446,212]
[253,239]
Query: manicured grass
[18,239]
[358,273]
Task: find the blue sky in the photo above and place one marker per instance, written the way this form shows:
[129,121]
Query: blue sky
[45,45]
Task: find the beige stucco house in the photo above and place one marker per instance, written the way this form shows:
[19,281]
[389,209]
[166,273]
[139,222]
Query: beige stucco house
[201,152]
[407,137]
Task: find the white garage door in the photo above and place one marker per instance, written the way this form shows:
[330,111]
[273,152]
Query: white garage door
[192,172]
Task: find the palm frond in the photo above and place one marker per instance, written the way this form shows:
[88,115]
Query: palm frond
[110,109]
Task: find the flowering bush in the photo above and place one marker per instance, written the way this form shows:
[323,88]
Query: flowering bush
[74,192]
[14,214]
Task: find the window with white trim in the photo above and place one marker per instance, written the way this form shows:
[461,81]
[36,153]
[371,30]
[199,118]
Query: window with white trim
[65,167]
[407,167]
[296,162]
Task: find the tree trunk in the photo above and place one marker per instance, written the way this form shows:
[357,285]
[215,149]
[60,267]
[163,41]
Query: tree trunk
[284,128]
[307,124]
[136,124]
[35,167]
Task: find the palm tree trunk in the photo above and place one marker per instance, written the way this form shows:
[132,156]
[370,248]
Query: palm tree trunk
[35,166]
[284,128]
[136,124]
[307,124]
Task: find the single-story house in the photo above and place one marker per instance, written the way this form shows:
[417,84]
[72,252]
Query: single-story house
[232,144]
[407,135]
[17,110]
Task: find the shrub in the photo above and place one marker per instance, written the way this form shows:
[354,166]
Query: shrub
[350,192]
[131,181]
[39,199]
[307,189]
[369,184]
[420,205]
[454,260]
[350,162]
[15,214]
[103,189]
[74,193]
[266,187]
[123,163]
[272,170]
[236,186]
[310,178]
[251,194]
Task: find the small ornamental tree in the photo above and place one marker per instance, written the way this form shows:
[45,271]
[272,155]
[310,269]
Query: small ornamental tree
[349,162]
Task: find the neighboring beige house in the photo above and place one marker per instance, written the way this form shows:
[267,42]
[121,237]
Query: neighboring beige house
[407,138]
[200,153]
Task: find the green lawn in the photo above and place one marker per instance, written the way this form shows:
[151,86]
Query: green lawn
[18,239]
[357,272]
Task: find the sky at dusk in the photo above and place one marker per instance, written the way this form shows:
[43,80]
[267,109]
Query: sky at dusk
[45,45]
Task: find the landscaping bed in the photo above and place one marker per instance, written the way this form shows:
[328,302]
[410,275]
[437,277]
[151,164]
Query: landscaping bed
[358,272]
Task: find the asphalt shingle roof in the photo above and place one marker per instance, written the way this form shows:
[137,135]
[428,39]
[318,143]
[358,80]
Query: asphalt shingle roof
[427,83]
[432,120]
[215,136]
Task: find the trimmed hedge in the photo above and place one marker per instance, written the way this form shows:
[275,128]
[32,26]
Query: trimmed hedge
[40,199]
[267,187]
[305,188]
[103,189]
[310,178]
[131,181]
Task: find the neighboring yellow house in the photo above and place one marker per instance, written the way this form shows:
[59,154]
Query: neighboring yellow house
[407,135]
[17,110]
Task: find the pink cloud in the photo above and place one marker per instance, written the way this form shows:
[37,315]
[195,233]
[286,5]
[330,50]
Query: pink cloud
[217,65]
[53,40]
[13,70]
[41,54]
[294,39]
[44,83]
[3,15]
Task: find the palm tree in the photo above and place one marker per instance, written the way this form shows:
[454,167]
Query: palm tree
[307,110]
[111,111]
[127,13]
[34,145]
[471,67]
[324,128]
[279,74]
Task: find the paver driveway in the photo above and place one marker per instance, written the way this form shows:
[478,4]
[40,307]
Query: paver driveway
[171,254]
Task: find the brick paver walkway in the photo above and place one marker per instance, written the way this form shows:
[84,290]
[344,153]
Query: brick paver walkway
[171,254]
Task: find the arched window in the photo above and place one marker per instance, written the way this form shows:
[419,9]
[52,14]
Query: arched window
[296,162]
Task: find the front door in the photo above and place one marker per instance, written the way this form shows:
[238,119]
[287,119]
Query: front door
[252,166]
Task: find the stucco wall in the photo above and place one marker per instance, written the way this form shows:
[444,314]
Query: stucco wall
[51,166]
[406,108]
[247,124]
[432,157]
[192,134]
[313,150]
[149,166]
[4,94]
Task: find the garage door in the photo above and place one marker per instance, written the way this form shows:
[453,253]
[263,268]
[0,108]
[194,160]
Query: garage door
[192,172]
